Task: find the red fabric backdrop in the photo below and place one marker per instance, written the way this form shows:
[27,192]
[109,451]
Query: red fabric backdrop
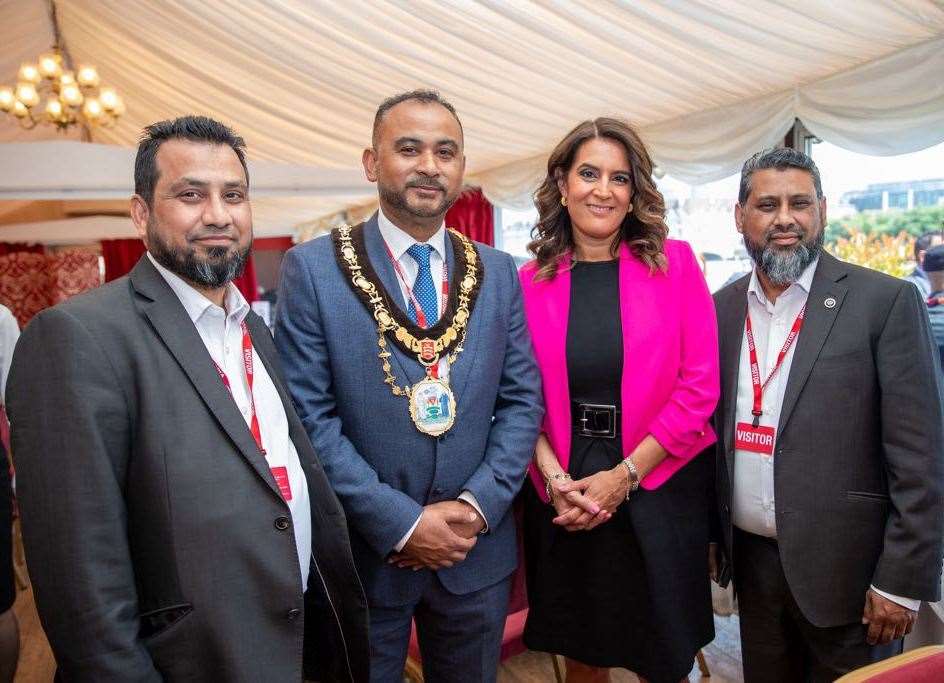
[14,247]
[71,272]
[474,216]
[29,282]
[121,256]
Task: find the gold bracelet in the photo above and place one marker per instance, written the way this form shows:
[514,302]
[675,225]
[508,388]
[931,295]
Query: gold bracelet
[633,475]
[547,483]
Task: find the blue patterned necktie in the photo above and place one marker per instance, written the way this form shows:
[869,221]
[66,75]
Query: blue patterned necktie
[423,288]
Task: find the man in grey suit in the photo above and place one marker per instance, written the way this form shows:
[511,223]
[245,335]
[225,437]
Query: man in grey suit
[177,522]
[830,461]
[407,354]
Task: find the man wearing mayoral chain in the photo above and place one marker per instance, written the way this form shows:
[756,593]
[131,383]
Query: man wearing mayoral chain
[407,354]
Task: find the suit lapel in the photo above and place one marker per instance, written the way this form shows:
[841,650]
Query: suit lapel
[171,323]
[731,316]
[265,349]
[262,344]
[817,323]
[380,260]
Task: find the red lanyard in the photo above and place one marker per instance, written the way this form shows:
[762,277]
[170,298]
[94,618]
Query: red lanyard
[247,362]
[420,314]
[757,410]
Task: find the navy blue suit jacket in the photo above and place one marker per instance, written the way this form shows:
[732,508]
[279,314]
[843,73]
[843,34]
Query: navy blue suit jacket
[383,470]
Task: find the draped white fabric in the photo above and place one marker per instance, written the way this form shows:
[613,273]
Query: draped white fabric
[707,83]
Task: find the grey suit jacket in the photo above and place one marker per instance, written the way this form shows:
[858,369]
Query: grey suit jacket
[382,468]
[157,541]
[859,460]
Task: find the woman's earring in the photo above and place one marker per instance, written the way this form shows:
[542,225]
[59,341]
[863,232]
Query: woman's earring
[630,208]
[563,200]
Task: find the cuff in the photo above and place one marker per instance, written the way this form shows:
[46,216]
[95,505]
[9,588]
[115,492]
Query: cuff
[406,537]
[467,497]
[909,603]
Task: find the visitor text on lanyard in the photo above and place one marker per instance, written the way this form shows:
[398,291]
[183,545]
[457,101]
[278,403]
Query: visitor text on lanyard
[751,436]
[279,473]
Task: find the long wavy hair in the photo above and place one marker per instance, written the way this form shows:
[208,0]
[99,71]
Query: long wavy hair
[643,230]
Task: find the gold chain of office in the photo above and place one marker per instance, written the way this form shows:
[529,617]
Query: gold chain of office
[428,351]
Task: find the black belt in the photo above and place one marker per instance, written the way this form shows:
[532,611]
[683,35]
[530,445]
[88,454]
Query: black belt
[595,420]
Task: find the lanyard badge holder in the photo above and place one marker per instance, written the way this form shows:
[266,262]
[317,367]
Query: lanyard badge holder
[752,436]
[279,473]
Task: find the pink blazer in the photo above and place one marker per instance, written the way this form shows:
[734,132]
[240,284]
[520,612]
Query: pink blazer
[670,381]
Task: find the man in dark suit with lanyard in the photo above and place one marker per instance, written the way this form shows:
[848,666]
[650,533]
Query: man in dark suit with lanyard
[177,522]
[830,440]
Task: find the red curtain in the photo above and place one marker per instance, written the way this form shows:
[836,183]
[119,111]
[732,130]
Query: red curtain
[122,255]
[272,244]
[473,216]
[246,283]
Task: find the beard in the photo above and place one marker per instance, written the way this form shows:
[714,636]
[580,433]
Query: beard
[399,200]
[219,266]
[783,265]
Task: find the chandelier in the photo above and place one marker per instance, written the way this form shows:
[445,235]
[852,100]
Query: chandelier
[50,91]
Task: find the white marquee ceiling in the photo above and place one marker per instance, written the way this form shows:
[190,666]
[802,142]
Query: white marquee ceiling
[707,82]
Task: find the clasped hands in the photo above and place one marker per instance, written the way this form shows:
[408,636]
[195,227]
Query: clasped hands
[444,535]
[586,503]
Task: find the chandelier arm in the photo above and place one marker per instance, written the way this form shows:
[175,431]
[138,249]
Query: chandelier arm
[63,49]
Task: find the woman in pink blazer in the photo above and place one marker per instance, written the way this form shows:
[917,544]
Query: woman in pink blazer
[623,326]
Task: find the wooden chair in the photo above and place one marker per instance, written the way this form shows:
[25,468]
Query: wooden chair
[923,665]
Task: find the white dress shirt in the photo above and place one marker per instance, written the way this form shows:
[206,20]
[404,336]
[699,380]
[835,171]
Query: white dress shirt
[753,505]
[9,333]
[398,242]
[222,335]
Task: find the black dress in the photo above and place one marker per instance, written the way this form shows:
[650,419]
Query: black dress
[632,592]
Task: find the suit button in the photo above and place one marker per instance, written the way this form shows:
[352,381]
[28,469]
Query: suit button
[437,491]
[282,523]
[293,614]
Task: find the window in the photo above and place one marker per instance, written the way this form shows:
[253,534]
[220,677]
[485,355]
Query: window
[855,183]
[703,216]
[513,232]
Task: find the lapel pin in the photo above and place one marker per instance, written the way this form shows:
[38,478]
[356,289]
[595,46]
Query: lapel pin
[830,302]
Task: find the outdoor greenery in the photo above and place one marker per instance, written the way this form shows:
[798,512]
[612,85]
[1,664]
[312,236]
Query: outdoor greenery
[913,222]
[891,254]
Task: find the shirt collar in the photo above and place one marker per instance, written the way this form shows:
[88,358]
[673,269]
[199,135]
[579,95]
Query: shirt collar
[804,282]
[399,241]
[195,303]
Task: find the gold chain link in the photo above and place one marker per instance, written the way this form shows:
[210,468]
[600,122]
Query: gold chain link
[386,322]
